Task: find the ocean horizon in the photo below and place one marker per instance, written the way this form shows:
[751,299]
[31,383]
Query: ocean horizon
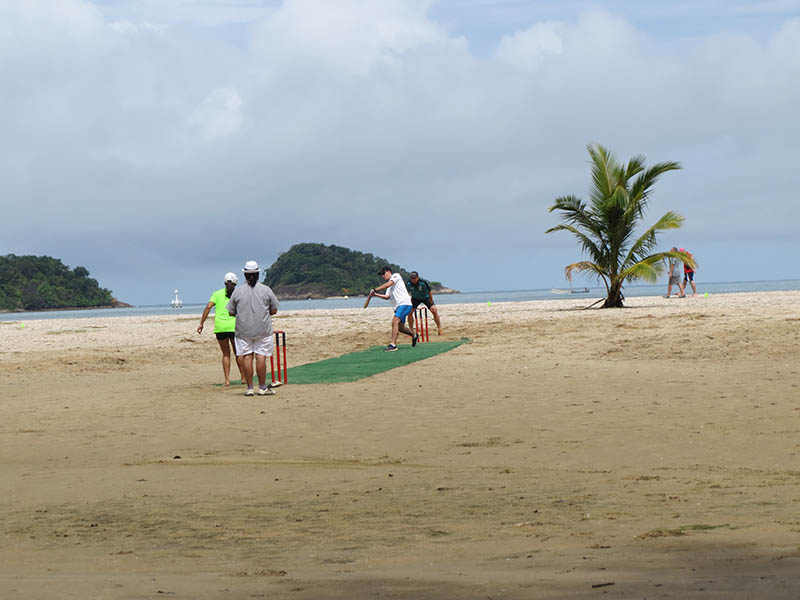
[473,297]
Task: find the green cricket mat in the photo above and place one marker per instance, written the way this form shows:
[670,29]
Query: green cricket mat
[358,365]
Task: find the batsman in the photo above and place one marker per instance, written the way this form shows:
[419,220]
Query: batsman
[401,302]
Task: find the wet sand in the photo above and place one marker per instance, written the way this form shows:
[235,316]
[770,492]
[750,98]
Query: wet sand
[563,453]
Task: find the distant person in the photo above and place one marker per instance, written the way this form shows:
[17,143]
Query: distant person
[674,274]
[421,293]
[253,305]
[224,324]
[401,302]
[688,275]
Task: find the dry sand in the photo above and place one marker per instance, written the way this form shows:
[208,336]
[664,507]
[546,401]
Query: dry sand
[650,452]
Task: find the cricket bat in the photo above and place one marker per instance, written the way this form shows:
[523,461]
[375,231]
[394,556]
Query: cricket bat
[366,302]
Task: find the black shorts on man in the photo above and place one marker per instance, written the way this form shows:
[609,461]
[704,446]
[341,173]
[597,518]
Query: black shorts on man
[416,302]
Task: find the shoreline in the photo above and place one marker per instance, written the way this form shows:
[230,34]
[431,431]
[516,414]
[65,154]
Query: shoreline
[66,309]
[501,296]
[294,298]
[558,292]
[21,336]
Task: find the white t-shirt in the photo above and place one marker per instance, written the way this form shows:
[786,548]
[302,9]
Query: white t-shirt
[398,293]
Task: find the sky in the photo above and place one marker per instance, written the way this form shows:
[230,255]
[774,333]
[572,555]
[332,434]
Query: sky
[162,143]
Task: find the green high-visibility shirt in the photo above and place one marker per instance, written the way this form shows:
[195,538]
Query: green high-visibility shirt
[223,321]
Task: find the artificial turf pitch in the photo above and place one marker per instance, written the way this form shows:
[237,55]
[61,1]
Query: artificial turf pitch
[358,365]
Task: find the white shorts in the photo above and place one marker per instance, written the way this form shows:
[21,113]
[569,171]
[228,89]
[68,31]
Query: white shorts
[262,346]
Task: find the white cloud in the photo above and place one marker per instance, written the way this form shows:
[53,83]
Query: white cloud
[124,27]
[131,28]
[350,36]
[526,50]
[188,12]
[42,25]
[219,115]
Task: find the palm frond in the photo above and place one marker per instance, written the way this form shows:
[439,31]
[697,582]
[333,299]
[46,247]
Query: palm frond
[568,204]
[681,256]
[647,270]
[645,181]
[619,199]
[587,244]
[635,166]
[585,266]
[685,257]
[574,213]
[647,241]
[603,166]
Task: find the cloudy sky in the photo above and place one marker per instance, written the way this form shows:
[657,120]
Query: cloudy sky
[161,143]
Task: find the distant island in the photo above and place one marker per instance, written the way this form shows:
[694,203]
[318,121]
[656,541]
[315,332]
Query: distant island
[46,283]
[310,270]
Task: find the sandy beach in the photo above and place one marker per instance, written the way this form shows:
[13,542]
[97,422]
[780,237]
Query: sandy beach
[649,452]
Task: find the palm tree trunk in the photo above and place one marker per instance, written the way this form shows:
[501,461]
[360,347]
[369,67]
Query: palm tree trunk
[614,299]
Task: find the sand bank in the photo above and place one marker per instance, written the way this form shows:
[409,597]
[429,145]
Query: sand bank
[655,448]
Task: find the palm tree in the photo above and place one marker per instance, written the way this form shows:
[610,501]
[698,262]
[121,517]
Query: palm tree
[606,227]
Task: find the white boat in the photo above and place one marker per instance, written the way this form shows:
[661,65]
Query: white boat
[177,302]
[584,290]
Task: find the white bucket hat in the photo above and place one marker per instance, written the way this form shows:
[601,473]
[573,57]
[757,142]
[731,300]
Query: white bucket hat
[251,266]
[231,277]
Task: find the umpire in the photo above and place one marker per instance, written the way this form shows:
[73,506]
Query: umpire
[421,293]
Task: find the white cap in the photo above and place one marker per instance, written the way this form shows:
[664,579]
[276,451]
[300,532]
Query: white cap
[251,266]
[231,277]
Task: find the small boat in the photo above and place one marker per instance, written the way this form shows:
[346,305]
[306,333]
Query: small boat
[177,302]
[570,291]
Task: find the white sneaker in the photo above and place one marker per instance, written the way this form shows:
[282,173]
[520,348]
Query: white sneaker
[249,392]
[266,391]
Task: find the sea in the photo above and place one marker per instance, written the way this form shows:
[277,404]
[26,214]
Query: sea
[480,297]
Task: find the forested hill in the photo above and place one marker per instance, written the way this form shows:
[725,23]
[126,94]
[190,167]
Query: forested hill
[42,282]
[319,271]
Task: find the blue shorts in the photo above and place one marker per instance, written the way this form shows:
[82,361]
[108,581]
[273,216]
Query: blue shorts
[402,311]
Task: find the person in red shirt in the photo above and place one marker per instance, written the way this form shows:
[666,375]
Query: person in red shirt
[688,275]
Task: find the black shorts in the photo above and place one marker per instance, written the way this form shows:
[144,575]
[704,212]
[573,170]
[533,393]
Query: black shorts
[225,335]
[689,275]
[427,302]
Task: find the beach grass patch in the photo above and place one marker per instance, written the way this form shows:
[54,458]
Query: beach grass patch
[82,330]
[358,365]
[682,530]
[64,331]
[703,527]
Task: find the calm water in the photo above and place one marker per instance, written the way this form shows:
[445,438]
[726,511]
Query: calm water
[463,298]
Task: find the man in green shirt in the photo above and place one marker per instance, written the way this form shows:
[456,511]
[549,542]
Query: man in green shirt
[421,293]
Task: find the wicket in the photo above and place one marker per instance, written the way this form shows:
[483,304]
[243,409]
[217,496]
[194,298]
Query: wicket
[280,342]
[420,326]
